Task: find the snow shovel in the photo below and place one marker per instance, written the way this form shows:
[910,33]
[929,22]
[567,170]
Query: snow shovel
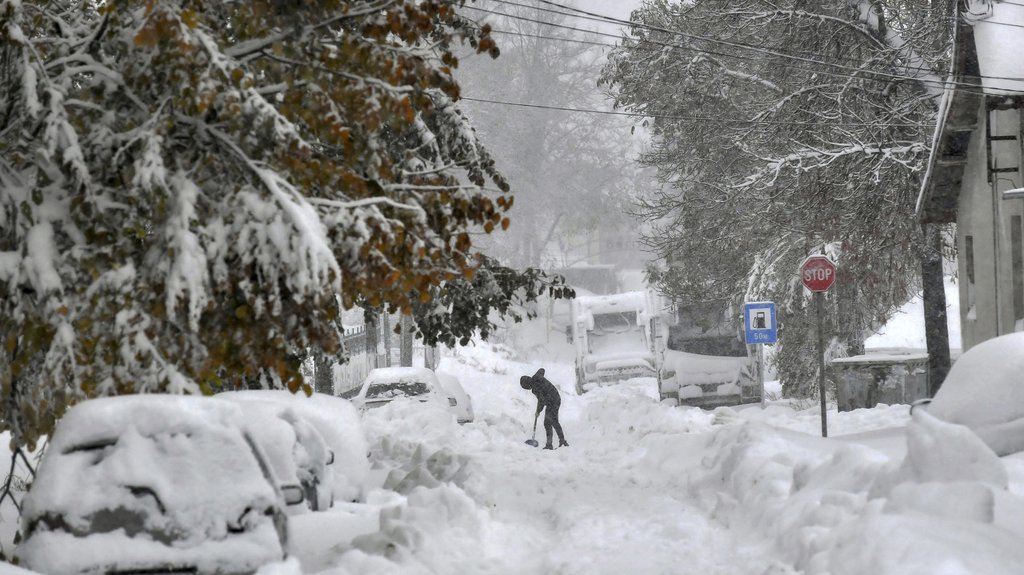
[532,442]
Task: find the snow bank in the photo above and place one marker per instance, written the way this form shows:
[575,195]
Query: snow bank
[839,507]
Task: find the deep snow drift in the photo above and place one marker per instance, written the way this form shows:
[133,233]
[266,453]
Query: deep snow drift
[649,488]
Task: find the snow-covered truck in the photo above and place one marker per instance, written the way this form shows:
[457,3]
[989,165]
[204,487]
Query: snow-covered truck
[617,337]
[707,364]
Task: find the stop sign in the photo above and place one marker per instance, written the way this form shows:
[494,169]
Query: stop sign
[818,273]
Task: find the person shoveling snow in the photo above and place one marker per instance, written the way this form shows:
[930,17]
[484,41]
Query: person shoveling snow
[549,400]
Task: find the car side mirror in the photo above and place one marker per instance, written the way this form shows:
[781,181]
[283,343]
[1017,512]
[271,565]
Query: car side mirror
[292,494]
[330,456]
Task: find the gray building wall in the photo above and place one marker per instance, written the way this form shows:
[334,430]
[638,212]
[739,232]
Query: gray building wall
[990,232]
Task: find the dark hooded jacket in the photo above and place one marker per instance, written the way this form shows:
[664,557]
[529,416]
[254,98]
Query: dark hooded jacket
[547,394]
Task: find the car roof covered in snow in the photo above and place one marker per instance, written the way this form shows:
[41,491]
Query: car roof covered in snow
[401,374]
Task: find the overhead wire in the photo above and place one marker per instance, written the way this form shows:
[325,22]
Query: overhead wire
[686,118]
[608,19]
[670,45]
[591,16]
[862,75]
[657,116]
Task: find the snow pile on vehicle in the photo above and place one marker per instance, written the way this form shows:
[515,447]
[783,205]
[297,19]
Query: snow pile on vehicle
[400,375]
[693,370]
[277,438]
[984,390]
[337,421]
[150,480]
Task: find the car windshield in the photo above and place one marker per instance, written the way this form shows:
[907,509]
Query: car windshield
[391,390]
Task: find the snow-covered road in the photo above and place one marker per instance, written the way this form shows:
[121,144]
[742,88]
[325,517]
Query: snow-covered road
[646,488]
[585,509]
[476,499]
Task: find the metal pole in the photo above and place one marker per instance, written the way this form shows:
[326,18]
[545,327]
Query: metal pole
[819,302]
[760,371]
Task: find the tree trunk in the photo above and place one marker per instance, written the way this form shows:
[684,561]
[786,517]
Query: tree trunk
[406,341]
[935,330]
[385,336]
[323,373]
[849,325]
[372,333]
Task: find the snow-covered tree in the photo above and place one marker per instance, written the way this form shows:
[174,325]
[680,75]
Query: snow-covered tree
[784,129]
[572,171]
[185,186]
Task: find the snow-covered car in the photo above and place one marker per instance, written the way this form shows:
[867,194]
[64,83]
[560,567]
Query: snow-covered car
[463,406]
[984,391]
[337,422]
[154,484]
[386,384]
[294,448]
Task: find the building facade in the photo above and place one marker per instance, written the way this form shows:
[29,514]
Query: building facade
[975,172]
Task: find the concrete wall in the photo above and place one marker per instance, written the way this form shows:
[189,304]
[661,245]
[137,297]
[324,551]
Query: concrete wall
[987,304]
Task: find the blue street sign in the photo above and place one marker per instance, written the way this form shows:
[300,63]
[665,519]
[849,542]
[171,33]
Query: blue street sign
[759,322]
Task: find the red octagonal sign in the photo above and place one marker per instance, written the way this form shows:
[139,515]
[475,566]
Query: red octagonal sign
[818,273]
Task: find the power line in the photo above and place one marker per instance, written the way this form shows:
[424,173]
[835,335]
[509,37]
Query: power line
[677,118]
[693,119]
[682,47]
[610,19]
[860,73]
[963,85]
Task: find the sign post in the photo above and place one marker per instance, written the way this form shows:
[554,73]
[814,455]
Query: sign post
[760,327]
[818,273]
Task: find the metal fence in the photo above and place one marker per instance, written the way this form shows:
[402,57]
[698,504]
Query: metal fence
[349,376]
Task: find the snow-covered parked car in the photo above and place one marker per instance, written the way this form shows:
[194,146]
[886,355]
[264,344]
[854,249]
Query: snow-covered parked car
[294,448]
[154,484]
[463,406]
[386,384]
[984,391]
[337,422]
